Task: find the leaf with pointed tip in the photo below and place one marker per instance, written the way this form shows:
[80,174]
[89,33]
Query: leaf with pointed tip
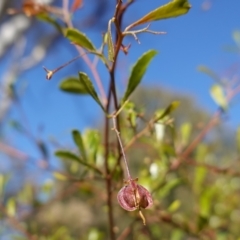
[210,73]
[72,85]
[84,79]
[79,39]
[101,56]
[77,137]
[110,43]
[167,111]
[172,9]
[138,71]
[64,154]
[46,18]
[219,96]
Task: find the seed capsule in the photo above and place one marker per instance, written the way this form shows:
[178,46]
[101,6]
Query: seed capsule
[134,196]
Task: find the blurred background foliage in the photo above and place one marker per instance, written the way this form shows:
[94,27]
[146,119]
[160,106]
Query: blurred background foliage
[195,187]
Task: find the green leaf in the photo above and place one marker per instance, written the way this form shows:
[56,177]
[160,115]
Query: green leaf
[101,56]
[175,205]
[210,73]
[169,186]
[84,79]
[206,201]
[172,9]
[80,39]
[3,181]
[200,172]
[185,130]
[11,206]
[167,111]
[218,95]
[79,142]
[73,85]
[110,43]
[64,154]
[59,176]
[46,18]
[138,71]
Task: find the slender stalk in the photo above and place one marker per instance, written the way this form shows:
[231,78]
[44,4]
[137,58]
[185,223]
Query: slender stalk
[107,170]
[121,146]
[112,94]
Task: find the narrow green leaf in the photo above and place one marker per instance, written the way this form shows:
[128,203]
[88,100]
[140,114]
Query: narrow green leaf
[210,73]
[64,154]
[110,43]
[2,184]
[46,18]
[11,206]
[138,71]
[80,39]
[77,137]
[200,172]
[175,205]
[59,176]
[167,111]
[185,130]
[101,56]
[169,186]
[218,95]
[84,79]
[73,85]
[3,181]
[206,201]
[172,9]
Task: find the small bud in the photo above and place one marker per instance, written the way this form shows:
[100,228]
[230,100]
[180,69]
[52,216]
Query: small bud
[49,73]
[134,196]
[125,48]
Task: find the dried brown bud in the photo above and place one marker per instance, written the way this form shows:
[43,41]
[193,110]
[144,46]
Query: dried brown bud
[49,73]
[134,196]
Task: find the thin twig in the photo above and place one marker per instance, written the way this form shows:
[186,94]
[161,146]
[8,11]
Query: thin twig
[50,73]
[121,146]
[215,169]
[146,29]
[212,123]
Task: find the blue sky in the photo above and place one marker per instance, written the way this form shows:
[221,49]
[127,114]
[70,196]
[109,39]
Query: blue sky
[197,38]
